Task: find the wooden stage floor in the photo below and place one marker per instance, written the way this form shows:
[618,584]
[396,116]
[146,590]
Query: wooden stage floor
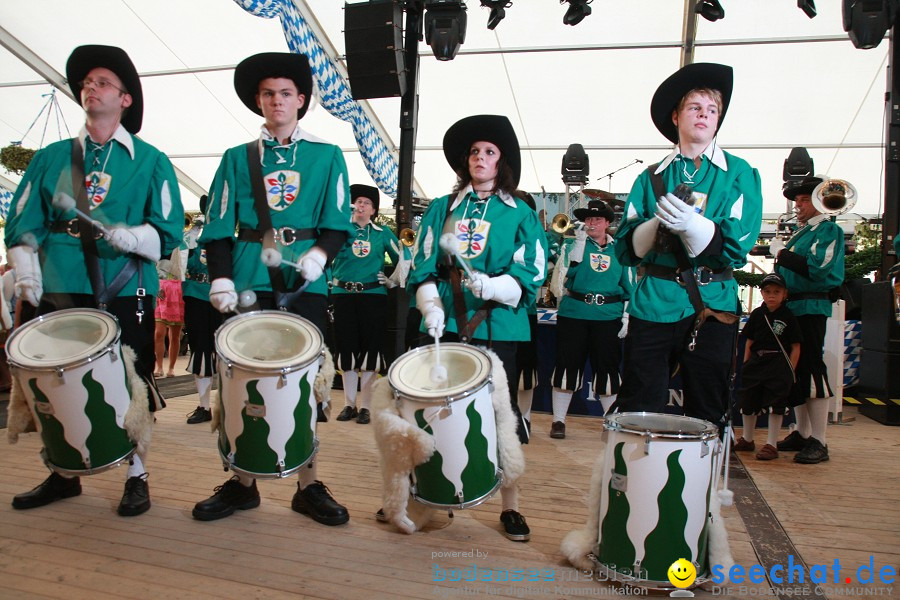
[846,509]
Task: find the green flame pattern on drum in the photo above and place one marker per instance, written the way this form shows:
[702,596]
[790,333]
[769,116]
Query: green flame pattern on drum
[104,447]
[615,522]
[666,543]
[59,452]
[254,451]
[430,481]
[704,537]
[477,477]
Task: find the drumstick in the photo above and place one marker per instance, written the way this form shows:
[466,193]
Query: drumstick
[448,245]
[64,203]
[271,257]
[438,372]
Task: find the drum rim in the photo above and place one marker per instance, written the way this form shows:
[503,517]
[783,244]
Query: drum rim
[435,397]
[23,329]
[469,503]
[255,367]
[709,431]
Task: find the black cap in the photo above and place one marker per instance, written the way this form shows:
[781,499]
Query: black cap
[805,186]
[773,279]
[595,208]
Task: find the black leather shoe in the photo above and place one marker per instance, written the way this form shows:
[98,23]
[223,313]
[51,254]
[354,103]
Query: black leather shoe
[348,413]
[200,415]
[514,526]
[320,414]
[228,497]
[792,442]
[363,417]
[315,501]
[136,498]
[813,453]
[558,430]
[380,516]
[56,487]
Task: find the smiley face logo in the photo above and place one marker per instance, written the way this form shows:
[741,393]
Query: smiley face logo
[682,573]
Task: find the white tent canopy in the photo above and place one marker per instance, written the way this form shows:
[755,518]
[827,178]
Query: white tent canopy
[798,82]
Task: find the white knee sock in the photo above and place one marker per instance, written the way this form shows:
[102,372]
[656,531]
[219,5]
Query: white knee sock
[749,427]
[561,400]
[510,497]
[774,428]
[802,414]
[606,401]
[525,399]
[366,379]
[245,480]
[307,475]
[818,417]
[350,378]
[135,467]
[204,385]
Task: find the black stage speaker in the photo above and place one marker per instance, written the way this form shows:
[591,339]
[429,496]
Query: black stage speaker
[880,329]
[373,35]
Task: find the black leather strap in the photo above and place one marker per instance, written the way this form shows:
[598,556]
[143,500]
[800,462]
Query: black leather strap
[703,274]
[88,243]
[597,299]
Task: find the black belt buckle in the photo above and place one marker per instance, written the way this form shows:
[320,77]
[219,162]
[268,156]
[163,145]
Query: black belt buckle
[286,235]
[597,299]
[73,228]
[704,275]
[353,286]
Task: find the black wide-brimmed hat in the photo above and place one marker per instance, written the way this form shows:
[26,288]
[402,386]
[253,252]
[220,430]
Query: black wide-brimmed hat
[595,208]
[358,190]
[85,58]
[495,129]
[670,92]
[265,65]
[792,188]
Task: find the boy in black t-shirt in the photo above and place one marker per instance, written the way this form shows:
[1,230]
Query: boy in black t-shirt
[770,358]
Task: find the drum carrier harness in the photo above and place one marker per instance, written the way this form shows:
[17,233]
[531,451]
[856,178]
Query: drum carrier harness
[103,294]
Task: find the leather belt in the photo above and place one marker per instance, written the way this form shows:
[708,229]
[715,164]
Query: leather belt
[355,286]
[597,299]
[809,296]
[283,235]
[705,275]
[73,228]
[767,352]
[198,277]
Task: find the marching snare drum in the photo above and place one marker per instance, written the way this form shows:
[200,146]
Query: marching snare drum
[267,365]
[654,505]
[69,365]
[464,470]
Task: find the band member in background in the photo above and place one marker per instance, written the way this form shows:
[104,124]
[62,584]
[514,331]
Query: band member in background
[687,246]
[593,287]
[501,238]
[360,302]
[203,319]
[307,201]
[132,189]
[812,264]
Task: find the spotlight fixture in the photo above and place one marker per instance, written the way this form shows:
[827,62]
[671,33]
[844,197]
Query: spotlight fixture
[497,11]
[445,27]
[577,11]
[711,10]
[867,21]
[798,165]
[575,165]
[808,7]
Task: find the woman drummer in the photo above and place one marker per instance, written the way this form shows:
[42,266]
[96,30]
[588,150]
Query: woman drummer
[501,239]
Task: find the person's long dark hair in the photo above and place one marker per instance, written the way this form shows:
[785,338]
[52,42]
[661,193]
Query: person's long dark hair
[505,180]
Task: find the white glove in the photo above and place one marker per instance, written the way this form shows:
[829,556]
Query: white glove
[312,264]
[29,285]
[576,253]
[644,237]
[222,295]
[142,240]
[695,230]
[624,331]
[503,288]
[558,280]
[401,272]
[429,304]
[385,280]
[776,246]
